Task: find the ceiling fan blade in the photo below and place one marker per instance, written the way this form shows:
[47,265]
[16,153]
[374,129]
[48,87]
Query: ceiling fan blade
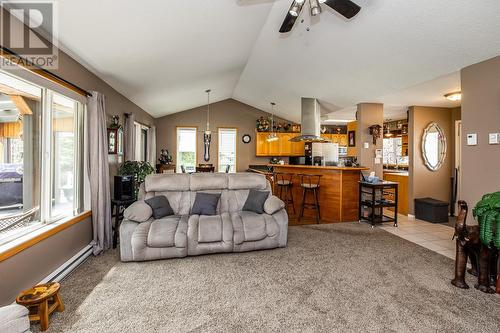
[345,8]
[289,18]
[288,23]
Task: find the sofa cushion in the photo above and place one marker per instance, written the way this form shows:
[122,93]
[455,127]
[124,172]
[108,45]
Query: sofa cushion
[213,181]
[139,211]
[160,206]
[255,201]
[273,204]
[210,229]
[162,232]
[205,204]
[246,181]
[167,182]
[248,227]
[14,319]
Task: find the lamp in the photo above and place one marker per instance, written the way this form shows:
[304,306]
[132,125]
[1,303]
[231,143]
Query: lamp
[454,96]
[315,8]
[272,136]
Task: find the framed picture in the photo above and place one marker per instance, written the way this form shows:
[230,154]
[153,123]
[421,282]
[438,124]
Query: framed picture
[351,137]
[115,141]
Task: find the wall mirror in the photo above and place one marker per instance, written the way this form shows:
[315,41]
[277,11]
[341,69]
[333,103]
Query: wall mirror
[433,146]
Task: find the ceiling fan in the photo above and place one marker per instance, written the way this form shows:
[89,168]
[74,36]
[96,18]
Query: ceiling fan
[346,8]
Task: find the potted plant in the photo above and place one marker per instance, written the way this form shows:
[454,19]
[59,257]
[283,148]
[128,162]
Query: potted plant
[487,213]
[138,169]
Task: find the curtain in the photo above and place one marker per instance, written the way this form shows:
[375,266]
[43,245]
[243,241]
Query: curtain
[98,170]
[152,146]
[129,137]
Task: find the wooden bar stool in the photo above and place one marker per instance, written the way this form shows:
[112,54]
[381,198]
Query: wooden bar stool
[310,183]
[284,181]
[41,301]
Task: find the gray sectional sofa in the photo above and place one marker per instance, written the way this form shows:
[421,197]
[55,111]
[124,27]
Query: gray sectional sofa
[180,235]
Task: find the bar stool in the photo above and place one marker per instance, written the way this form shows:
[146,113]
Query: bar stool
[284,181]
[310,183]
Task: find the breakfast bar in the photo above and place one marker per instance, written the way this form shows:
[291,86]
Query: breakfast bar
[338,192]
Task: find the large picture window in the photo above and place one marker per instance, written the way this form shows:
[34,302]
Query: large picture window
[186,149]
[36,122]
[227,149]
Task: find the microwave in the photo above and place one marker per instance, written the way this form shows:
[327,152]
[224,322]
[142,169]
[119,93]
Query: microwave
[342,150]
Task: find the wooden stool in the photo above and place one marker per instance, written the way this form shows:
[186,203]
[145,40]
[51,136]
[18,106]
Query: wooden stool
[284,181]
[310,183]
[41,301]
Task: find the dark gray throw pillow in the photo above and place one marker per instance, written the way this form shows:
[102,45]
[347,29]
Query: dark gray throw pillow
[160,206]
[205,204]
[255,201]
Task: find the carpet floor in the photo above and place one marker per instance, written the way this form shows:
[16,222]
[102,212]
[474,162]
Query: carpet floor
[331,278]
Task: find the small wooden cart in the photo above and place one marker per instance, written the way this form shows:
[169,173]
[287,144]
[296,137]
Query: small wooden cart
[374,197]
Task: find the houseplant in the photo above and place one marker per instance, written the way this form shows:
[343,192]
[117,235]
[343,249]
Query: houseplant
[487,213]
[138,169]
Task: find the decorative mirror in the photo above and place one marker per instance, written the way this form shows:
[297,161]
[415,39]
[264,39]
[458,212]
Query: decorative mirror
[433,146]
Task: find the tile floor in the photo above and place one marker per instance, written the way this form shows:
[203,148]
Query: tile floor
[435,237]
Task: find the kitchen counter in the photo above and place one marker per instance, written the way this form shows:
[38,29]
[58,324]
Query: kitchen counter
[338,193]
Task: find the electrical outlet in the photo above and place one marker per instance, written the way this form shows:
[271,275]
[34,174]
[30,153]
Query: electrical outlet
[494,138]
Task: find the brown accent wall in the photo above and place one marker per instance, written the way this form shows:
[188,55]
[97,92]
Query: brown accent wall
[369,114]
[227,113]
[30,266]
[422,181]
[481,115]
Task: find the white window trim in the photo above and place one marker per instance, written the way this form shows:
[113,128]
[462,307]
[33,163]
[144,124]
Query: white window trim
[178,165]
[219,130]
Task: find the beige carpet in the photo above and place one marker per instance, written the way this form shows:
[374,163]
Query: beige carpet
[330,278]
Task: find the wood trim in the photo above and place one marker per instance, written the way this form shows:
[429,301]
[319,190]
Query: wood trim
[49,233]
[21,104]
[17,60]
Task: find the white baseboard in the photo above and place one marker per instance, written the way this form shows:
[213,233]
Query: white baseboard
[69,265]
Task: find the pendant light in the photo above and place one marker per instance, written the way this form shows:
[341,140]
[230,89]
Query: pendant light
[315,7]
[272,136]
[207,129]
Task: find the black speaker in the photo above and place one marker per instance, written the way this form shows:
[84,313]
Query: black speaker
[124,187]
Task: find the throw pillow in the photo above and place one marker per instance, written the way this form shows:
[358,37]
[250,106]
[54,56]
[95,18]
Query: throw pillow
[160,206]
[255,201]
[205,204]
[139,211]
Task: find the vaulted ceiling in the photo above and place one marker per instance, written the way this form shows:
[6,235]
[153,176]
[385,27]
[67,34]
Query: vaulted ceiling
[162,55]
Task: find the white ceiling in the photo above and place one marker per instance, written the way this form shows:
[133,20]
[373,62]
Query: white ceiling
[163,54]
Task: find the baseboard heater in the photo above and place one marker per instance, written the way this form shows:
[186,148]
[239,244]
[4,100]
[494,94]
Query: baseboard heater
[62,271]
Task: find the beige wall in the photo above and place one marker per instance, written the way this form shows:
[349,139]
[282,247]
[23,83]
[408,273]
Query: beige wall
[227,113]
[30,266]
[481,115]
[369,114]
[422,181]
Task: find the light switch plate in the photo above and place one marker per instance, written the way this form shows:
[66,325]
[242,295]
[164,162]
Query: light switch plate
[494,138]
[366,145]
[472,139]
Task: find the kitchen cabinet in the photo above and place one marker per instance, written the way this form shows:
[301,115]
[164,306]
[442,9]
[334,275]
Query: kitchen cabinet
[281,147]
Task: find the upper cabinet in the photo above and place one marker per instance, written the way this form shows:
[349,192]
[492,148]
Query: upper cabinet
[281,147]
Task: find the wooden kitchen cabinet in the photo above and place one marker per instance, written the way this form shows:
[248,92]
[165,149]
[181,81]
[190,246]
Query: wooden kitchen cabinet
[342,139]
[281,147]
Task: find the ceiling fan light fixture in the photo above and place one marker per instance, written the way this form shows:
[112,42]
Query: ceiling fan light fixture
[315,7]
[454,96]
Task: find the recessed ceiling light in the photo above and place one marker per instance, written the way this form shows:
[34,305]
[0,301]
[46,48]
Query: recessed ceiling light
[454,96]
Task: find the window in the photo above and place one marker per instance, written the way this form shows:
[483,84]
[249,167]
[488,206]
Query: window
[227,149]
[186,148]
[141,142]
[393,151]
[36,122]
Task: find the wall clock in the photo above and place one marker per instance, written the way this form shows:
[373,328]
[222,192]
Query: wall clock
[246,138]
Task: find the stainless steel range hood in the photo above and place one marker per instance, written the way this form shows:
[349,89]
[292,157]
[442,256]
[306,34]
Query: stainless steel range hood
[310,122]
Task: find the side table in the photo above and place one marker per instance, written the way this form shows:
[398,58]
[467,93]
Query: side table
[41,301]
[117,208]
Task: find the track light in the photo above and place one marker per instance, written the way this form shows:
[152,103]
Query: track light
[295,9]
[321,1]
[315,8]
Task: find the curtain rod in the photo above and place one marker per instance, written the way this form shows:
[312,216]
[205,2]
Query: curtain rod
[43,72]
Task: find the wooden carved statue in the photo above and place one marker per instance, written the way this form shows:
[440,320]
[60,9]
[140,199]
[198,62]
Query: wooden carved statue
[207,138]
[483,261]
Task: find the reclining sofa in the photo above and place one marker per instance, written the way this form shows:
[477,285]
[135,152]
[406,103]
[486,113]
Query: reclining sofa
[231,229]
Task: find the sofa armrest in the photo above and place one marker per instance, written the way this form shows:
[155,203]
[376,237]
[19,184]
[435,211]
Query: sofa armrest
[127,229]
[14,318]
[273,204]
[139,211]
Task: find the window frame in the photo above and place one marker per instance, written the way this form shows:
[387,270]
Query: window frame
[139,130]
[235,148]
[46,156]
[177,128]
